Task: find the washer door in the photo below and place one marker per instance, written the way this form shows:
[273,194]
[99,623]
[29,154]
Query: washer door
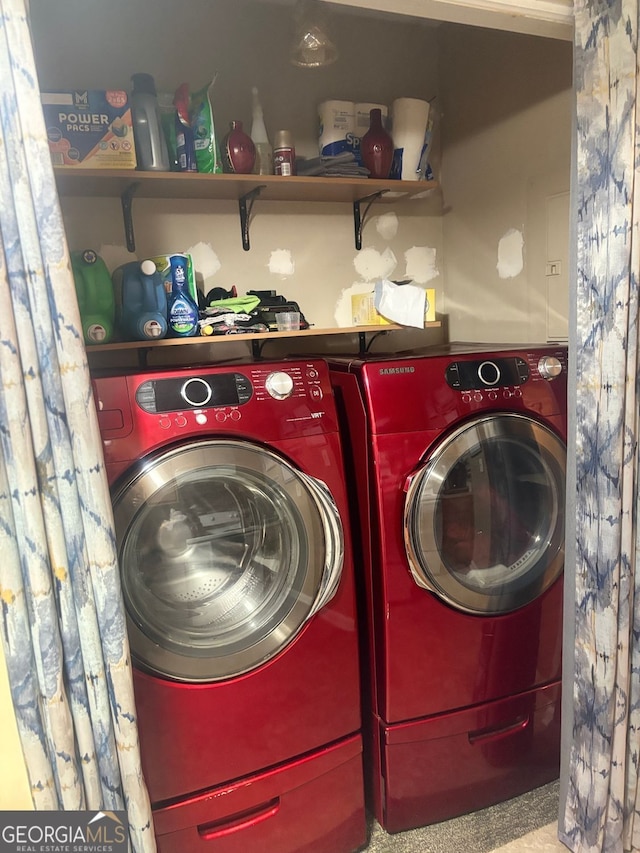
[484,516]
[226,550]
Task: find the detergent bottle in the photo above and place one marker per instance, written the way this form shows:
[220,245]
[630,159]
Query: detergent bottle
[94,290]
[142,301]
[183,313]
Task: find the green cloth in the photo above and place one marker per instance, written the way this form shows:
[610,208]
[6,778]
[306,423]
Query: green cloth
[237,304]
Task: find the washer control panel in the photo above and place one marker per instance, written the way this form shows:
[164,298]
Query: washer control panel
[232,390]
[175,394]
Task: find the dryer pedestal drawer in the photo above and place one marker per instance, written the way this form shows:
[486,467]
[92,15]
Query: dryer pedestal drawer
[455,763]
[314,804]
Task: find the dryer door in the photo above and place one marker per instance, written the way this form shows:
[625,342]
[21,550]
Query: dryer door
[484,515]
[226,550]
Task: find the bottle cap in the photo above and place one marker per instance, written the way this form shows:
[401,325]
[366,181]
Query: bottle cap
[147,267]
[283,139]
[143,84]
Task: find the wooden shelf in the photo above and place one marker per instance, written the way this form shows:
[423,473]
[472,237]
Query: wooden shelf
[243,189]
[108,183]
[258,336]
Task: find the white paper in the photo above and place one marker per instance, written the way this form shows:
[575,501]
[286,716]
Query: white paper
[400,303]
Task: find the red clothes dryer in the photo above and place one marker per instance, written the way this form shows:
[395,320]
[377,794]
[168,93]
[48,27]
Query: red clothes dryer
[456,458]
[230,505]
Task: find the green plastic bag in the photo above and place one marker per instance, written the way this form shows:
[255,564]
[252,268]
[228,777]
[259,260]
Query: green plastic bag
[208,157]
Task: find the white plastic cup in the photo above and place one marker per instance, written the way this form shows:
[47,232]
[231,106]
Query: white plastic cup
[288,321]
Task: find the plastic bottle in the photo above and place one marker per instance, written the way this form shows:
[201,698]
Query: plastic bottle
[185,144]
[264,152]
[284,154]
[151,147]
[183,313]
[94,290]
[142,301]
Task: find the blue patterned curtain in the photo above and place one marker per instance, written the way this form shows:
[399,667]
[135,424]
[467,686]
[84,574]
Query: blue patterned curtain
[63,624]
[602,667]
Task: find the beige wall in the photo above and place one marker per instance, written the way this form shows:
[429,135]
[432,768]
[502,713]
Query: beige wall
[507,103]
[14,786]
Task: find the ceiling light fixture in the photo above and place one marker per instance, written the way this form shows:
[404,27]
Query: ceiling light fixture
[312,46]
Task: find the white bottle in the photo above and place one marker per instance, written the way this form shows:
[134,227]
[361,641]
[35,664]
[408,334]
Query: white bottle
[264,153]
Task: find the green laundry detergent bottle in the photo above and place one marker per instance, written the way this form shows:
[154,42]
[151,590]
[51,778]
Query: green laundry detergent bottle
[183,313]
[94,290]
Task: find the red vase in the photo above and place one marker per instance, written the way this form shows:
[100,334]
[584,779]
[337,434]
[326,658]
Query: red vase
[376,147]
[239,152]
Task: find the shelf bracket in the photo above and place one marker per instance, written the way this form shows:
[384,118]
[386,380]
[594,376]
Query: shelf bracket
[363,346]
[358,218]
[245,213]
[127,202]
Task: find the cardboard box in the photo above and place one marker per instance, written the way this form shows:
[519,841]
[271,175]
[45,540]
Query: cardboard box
[363,311]
[90,129]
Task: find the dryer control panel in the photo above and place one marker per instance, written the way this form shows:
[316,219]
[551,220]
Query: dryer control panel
[486,373]
[510,372]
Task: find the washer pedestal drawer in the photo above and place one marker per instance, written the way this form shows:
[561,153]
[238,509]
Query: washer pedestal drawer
[313,804]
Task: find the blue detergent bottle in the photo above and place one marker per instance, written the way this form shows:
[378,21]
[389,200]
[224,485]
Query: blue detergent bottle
[183,313]
[96,301]
[142,301]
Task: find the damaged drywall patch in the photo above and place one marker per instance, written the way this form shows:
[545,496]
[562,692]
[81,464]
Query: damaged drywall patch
[205,260]
[510,255]
[281,262]
[371,264]
[421,264]
[387,225]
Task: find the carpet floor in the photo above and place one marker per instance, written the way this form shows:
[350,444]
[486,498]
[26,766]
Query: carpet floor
[523,824]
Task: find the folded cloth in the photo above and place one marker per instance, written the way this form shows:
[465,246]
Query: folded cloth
[336,165]
[239,304]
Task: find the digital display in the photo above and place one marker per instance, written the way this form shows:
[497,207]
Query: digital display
[194,392]
[487,373]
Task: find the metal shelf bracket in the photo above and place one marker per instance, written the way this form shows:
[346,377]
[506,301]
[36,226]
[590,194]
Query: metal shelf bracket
[127,202]
[358,218]
[245,213]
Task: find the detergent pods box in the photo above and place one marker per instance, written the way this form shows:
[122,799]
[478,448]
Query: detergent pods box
[364,312]
[90,128]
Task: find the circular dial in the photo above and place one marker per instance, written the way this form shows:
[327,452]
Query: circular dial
[549,367]
[489,373]
[196,392]
[279,385]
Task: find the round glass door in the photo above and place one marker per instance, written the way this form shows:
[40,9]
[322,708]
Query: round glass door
[225,550]
[484,516]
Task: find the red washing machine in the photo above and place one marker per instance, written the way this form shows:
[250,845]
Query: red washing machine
[457,458]
[229,501]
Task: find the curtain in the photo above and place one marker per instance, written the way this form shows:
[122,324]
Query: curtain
[62,618]
[601,707]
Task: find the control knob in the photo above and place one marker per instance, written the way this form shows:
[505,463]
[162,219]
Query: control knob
[279,385]
[549,367]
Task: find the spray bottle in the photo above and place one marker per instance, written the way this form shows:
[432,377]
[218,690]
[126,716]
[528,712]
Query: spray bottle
[264,153]
[183,313]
